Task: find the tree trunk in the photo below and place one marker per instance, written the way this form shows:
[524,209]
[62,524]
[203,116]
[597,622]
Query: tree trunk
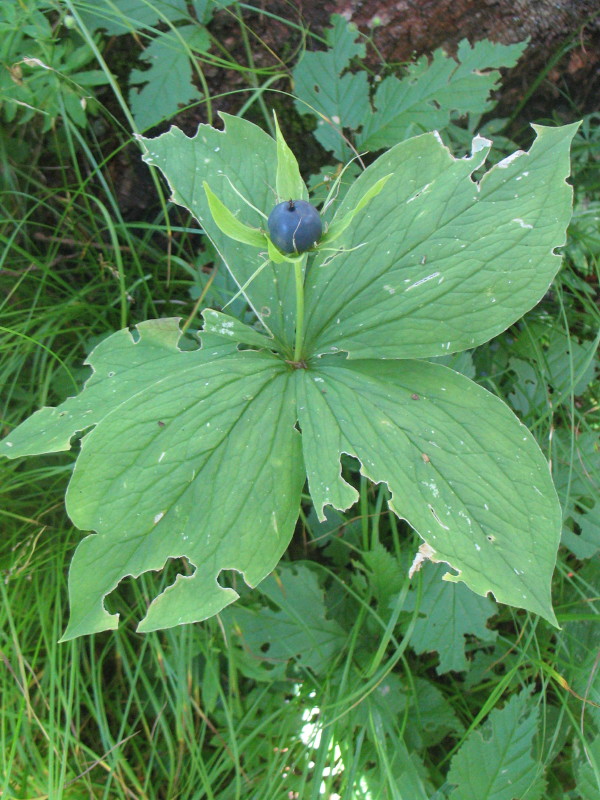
[564,36]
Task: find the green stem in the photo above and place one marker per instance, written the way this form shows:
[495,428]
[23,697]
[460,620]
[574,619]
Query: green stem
[299,310]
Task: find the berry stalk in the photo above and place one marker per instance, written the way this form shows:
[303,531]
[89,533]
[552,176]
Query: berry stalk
[299,310]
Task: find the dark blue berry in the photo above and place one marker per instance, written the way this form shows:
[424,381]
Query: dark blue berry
[294,226]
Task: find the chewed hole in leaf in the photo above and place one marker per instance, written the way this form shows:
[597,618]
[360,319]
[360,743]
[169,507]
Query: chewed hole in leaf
[77,438]
[190,340]
[351,464]
[131,598]
[134,333]
[231,579]
[437,519]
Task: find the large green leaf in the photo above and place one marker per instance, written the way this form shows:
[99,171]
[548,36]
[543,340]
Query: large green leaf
[466,474]
[193,454]
[239,164]
[441,263]
[226,327]
[118,368]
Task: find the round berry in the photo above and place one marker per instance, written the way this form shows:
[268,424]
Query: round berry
[294,226]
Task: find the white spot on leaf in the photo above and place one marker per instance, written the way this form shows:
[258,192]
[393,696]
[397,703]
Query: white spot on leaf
[423,280]
[506,162]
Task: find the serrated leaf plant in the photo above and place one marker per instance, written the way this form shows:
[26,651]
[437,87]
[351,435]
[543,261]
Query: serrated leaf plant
[381,112]
[501,765]
[204,453]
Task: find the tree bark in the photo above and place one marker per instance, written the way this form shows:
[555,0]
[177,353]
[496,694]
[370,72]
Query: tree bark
[564,35]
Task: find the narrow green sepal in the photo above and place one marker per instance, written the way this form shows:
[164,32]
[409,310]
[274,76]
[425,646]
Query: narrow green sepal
[277,257]
[338,226]
[289,184]
[229,224]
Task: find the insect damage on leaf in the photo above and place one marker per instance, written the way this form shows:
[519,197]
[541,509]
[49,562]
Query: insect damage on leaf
[424,553]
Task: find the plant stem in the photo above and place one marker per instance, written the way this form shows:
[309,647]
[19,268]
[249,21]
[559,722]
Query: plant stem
[299,310]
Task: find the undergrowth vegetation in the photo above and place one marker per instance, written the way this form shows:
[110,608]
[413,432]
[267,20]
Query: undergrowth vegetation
[338,676]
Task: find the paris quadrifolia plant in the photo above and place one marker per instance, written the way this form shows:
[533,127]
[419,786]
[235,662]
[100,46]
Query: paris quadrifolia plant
[203,453]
